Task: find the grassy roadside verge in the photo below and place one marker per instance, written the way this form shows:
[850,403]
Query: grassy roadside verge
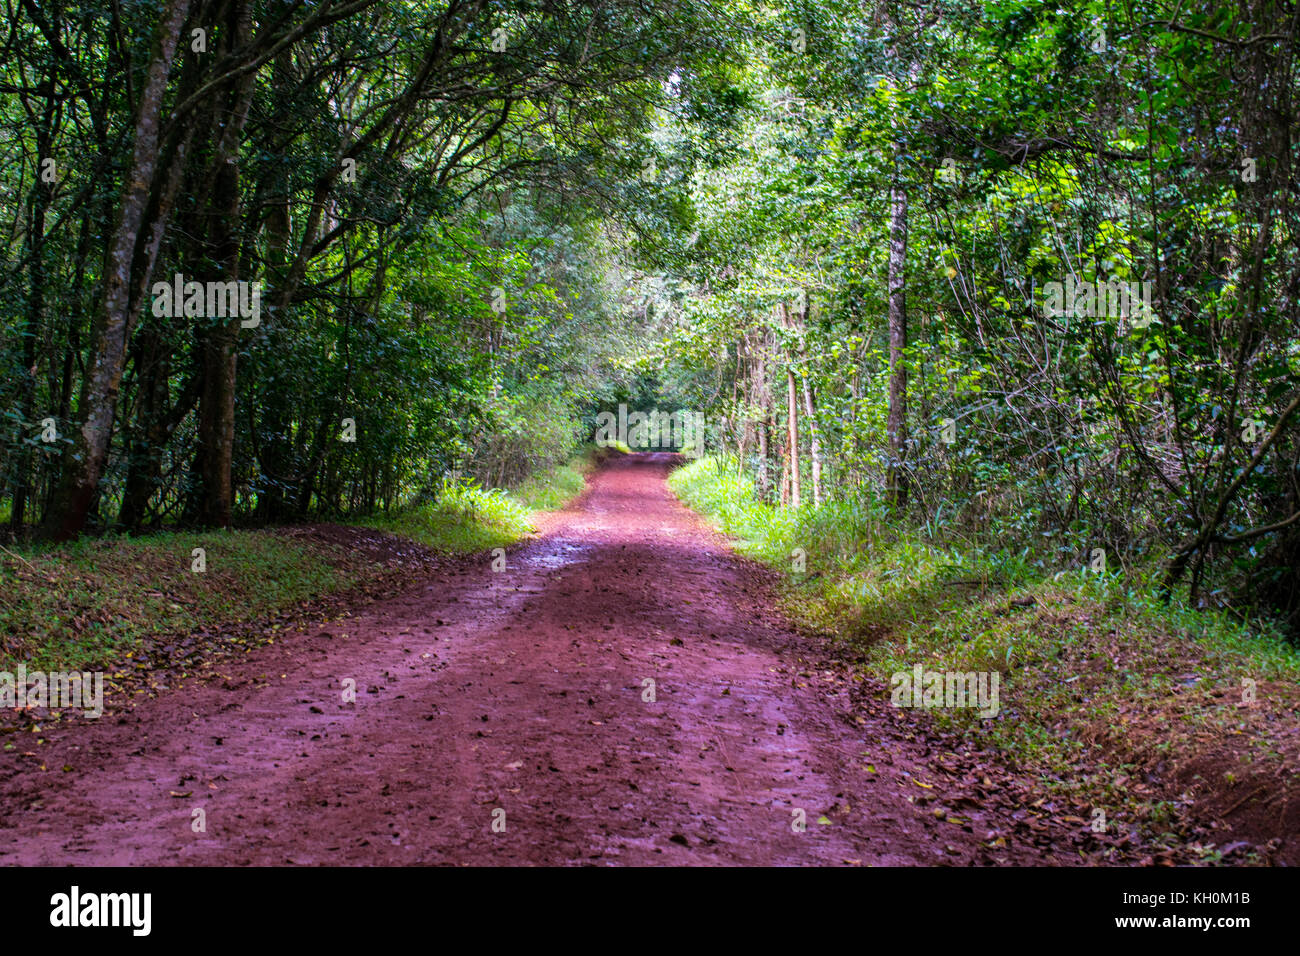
[467,518]
[81,606]
[94,603]
[1110,698]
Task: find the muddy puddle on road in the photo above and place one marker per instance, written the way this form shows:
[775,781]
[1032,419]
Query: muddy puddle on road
[553,554]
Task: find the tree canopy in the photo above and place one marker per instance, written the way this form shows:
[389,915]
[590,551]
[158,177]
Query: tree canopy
[1019,274]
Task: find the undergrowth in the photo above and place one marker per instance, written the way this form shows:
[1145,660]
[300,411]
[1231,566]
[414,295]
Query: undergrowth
[1098,678]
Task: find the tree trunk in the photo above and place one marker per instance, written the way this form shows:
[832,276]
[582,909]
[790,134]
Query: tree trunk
[763,398]
[792,440]
[85,459]
[38,203]
[814,438]
[742,385]
[273,449]
[784,458]
[216,427]
[896,421]
[896,427]
[815,442]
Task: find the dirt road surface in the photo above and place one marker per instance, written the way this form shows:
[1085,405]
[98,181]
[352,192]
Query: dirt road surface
[507,717]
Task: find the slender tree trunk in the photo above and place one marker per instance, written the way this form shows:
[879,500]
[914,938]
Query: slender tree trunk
[39,202]
[814,442]
[142,441]
[792,439]
[274,448]
[216,426]
[741,387]
[814,437]
[784,458]
[896,421]
[791,415]
[216,431]
[764,401]
[896,426]
[84,461]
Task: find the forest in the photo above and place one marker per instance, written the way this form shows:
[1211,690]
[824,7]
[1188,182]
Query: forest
[960,304]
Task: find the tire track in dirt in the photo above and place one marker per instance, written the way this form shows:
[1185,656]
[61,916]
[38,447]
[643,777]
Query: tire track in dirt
[519,691]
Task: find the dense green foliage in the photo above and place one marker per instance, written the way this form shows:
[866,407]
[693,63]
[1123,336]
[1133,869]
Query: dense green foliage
[849,233]
[438,200]
[88,604]
[876,262]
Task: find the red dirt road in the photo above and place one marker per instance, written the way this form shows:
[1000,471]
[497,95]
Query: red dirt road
[517,696]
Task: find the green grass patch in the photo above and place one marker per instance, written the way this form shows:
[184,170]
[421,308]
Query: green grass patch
[553,488]
[465,518]
[81,605]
